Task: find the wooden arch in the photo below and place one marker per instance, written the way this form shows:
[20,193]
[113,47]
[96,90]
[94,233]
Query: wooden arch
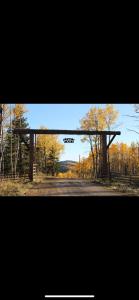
[103,139]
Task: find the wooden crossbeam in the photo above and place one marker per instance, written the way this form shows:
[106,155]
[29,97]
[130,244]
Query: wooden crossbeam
[103,135]
[61,131]
[111,141]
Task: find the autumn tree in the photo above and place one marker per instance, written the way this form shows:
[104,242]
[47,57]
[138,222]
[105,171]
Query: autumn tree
[16,151]
[48,150]
[124,158]
[97,119]
[4,113]
[110,116]
[94,120]
[83,168]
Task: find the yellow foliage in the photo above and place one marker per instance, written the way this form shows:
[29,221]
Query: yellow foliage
[94,119]
[46,142]
[110,115]
[5,115]
[19,110]
[99,118]
[68,174]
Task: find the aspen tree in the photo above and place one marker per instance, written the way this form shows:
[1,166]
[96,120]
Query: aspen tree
[49,149]
[98,119]
[4,123]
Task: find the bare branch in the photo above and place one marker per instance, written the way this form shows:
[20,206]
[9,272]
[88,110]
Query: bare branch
[132,130]
[118,125]
[130,116]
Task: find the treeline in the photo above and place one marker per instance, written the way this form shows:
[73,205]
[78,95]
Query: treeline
[14,149]
[123,160]
[97,119]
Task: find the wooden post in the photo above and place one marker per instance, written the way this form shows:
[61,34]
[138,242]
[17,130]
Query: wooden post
[35,138]
[104,163]
[20,158]
[79,167]
[0,117]
[103,146]
[31,160]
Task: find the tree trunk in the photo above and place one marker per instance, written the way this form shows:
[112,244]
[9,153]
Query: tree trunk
[11,140]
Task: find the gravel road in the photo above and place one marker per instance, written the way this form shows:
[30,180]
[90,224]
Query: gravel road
[70,187]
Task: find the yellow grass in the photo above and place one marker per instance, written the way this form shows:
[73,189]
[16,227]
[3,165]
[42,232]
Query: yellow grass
[14,188]
[68,174]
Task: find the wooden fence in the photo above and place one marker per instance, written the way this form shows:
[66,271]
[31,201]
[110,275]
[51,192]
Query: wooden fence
[13,177]
[17,176]
[129,179]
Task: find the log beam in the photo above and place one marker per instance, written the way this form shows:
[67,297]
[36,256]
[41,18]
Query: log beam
[111,141]
[61,131]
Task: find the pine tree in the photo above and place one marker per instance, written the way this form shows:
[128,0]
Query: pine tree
[20,153]
[52,162]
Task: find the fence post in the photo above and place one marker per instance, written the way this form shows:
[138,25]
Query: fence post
[104,163]
[31,159]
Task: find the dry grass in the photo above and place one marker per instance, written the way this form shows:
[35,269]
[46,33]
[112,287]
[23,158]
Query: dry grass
[124,188]
[68,174]
[14,188]
[40,178]
[116,186]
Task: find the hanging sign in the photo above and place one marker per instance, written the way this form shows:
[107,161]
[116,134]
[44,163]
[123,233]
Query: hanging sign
[68,140]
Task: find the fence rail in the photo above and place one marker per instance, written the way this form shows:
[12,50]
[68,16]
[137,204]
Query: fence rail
[129,179]
[12,177]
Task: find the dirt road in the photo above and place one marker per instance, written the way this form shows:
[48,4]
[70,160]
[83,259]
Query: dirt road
[70,187]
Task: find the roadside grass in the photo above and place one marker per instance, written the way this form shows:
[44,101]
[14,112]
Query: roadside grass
[21,187]
[115,185]
[39,178]
[69,174]
[14,188]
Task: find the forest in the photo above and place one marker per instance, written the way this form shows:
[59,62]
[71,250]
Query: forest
[14,149]
[123,159]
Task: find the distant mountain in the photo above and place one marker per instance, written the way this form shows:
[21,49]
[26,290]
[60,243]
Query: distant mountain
[66,165]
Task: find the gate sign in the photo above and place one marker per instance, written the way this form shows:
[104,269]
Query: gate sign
[68,140]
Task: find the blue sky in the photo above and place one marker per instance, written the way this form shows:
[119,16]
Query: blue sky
[67,116]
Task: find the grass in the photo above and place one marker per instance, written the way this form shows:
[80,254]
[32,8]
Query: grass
[14,188]
[118,186]
[124,188]
[21,187]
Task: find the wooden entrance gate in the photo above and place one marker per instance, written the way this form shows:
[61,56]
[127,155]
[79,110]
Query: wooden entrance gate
[103,143]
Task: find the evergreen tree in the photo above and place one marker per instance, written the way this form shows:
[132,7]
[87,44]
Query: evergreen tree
[20,152]
[52,162]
